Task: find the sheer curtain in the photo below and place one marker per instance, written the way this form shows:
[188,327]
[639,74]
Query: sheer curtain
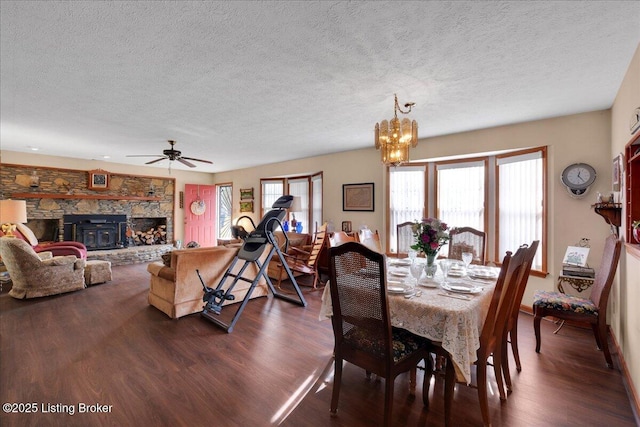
[299,187]
[521,201]
[272,189]
[461,195]
[316,194]
[406,198]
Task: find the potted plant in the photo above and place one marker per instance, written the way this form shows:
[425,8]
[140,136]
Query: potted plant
[635,227]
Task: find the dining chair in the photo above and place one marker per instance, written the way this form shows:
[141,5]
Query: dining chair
[592,310]
[339,238]
[303,261]
[404,237]
[370,239]
[467,239]
[362,325]
[511,329]
[490,340]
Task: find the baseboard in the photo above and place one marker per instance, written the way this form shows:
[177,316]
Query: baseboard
[626,378]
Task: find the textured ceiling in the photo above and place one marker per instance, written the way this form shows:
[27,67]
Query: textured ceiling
[249,83]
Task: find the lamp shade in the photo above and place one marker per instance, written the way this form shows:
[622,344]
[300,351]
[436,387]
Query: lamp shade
[13,211]
[296,205]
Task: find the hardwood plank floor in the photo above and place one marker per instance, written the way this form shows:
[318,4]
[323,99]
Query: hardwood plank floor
[105,345]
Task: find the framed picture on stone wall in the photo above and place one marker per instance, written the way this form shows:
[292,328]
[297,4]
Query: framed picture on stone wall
[98,180]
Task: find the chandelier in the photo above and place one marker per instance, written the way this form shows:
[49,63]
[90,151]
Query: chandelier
[394,138]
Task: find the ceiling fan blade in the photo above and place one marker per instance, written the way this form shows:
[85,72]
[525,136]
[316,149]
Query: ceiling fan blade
[197,160]
[156,160]
[144,155]
[184,162]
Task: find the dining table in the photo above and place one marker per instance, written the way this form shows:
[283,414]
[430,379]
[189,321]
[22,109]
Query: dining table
[449,312]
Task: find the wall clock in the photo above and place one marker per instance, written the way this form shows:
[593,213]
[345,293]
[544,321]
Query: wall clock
[577,178]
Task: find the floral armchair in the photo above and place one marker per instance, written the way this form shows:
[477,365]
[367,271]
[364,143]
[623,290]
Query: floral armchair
[32,276]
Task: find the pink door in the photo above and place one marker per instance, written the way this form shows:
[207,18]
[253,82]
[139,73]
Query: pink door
[200,214]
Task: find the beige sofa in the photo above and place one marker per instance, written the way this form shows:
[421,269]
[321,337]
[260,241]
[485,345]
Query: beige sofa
[176,290]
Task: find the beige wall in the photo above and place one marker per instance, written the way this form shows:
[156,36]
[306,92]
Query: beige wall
[625,316]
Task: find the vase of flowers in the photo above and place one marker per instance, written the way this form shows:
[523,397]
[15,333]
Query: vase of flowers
[635,226]
[430,235]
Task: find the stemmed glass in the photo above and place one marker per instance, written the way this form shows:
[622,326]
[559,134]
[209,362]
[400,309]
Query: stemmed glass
[416,271]
[467,257]
[444,265]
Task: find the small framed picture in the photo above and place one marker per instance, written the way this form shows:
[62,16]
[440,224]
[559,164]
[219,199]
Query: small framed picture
[617,173]
[246,206]
[358,197]
[246,193]
[346,226]
[98,180]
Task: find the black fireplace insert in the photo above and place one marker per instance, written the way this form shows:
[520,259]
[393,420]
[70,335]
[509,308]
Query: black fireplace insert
[96,232]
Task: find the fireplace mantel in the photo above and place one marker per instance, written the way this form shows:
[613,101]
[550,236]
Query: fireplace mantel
[80,196]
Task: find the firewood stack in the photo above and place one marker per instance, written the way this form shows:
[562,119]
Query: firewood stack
[153,236]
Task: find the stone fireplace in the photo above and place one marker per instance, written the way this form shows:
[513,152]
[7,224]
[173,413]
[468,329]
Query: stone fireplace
[96,232]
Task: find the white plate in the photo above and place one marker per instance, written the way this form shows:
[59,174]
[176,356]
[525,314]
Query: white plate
[400,263]
[456,273]
[398,273]
[483,273]
[396,289]
[461,289]
[428,283]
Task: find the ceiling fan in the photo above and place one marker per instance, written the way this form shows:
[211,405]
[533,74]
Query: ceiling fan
[171,154]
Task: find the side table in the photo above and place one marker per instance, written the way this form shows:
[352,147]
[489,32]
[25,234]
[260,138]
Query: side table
[576,282]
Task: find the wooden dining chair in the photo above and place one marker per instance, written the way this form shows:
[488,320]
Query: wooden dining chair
[305,261]
[490,340]
[468,239]
[362,325]
[592,310]
[404,237]
[370,239]
[510,335]
[339,238]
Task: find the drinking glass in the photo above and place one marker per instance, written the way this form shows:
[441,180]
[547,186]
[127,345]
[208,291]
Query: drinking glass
[467,257]
[416,271]
[444,265]
[412,254]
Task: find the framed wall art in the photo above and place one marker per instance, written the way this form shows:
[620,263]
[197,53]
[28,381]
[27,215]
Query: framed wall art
[98,180]
[358,197]
[246,193]
[246,206]
[617,169]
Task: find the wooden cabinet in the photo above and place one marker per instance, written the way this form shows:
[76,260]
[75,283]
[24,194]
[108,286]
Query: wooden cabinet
[632,185]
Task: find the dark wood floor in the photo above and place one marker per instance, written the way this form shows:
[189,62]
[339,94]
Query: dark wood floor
[105,345]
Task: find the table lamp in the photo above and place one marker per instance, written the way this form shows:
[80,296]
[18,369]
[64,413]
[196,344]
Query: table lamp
[11,213]
[296,206]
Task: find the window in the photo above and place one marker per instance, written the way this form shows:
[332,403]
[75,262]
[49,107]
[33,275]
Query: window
[299,187]
[271,190]
[308,188]
[224,194]
[406,198]
[521,197]
[503,195]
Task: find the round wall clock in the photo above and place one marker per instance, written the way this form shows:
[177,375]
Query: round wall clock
[577,178]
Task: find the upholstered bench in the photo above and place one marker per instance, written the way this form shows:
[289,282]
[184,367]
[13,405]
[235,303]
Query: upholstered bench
[97,271]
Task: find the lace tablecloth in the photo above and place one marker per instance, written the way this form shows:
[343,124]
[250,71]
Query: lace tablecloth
[441,317]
